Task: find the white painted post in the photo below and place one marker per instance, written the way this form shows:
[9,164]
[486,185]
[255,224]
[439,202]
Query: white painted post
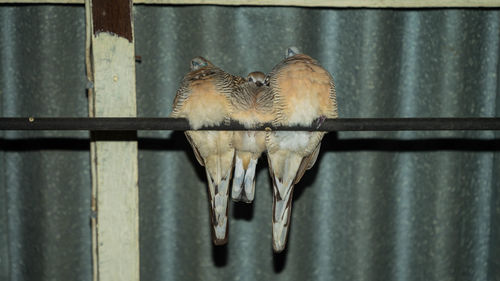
[111,64]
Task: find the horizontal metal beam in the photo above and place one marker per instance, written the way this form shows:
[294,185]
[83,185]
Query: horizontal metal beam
[178,124]
[300,3]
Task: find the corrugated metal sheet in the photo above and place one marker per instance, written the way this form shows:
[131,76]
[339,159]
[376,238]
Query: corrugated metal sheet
[377,206]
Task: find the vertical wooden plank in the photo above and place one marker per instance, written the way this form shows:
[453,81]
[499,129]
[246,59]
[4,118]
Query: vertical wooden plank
[90,95]
[111,60]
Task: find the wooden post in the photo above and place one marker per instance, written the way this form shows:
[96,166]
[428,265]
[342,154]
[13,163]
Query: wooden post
[115,204]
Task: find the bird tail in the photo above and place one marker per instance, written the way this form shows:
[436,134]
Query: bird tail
[282,210]
[244,177]
[219,193]
[283,184]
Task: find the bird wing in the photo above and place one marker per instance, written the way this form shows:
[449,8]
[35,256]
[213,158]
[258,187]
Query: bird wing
[307,163]
[195,149]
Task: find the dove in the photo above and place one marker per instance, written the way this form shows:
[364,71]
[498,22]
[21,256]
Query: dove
[252,104]
[304,93]
[203,98]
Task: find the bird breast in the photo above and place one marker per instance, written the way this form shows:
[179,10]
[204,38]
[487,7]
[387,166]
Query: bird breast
[304,92]
[206,106]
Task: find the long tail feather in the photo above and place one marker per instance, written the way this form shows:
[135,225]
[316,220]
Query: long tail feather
[282,208]
[219,194]
[238,178]
[250,180]
[244,180]
[283,168]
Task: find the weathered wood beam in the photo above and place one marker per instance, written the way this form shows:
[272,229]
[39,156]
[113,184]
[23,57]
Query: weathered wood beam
[303,3]
[111,70]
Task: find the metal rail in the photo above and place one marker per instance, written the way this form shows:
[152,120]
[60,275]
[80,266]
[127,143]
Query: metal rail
[300,3]
[178,124]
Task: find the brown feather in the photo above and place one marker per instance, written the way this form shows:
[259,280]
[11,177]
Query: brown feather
[195,149]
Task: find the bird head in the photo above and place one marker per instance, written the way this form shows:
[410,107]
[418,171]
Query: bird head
[199,62]
[291,51]
[257,77]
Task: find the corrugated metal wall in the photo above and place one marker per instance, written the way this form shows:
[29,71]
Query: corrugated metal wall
[376,206]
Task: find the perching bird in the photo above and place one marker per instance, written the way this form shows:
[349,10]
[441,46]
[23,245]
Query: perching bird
[204,99]
[252,103]
[304,93]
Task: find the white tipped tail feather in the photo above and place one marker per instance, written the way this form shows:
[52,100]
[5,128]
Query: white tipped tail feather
[244,180]
[283,167]
[282,208]
[219,194]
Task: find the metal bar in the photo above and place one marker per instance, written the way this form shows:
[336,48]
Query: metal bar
[300,3]
[341,124]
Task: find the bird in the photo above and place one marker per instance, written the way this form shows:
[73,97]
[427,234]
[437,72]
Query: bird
[203,98]
[303,95]
[252,104]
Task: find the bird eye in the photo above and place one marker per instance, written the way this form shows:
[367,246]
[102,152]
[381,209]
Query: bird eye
[250,79]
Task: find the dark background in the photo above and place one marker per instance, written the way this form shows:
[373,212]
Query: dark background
[376,206]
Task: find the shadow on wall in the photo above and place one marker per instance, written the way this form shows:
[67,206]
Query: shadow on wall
[330,143]
[177,142]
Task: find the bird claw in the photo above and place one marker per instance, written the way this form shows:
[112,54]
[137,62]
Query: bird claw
[320,121]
